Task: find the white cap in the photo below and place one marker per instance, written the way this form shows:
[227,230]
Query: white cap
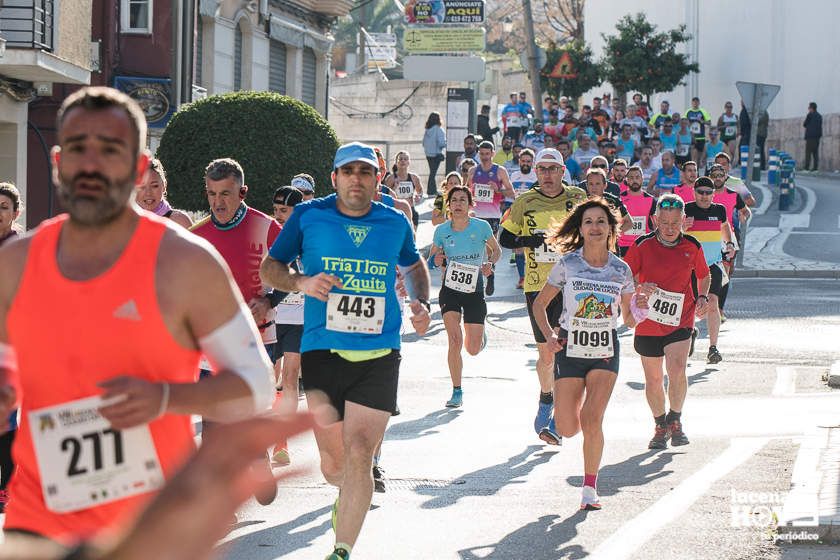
[549,155]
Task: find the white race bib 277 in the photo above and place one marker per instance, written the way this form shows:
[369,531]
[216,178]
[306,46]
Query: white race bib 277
[461,277]
[483,193]
[666,307]
[590,338]
[355,313]
[85,463]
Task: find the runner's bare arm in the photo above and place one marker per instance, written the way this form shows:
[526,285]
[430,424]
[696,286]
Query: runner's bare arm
[626,223]
[13,257]
[540,306]
[214,319]
[417,285]
[507,187]
[282,277]
[181,218]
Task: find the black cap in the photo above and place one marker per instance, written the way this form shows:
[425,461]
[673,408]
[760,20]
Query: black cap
[704,182]
[287,196]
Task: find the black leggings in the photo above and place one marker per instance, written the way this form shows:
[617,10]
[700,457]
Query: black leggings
[7,466]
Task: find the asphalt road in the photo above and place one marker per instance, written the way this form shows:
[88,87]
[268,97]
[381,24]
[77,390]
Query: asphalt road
[477,483]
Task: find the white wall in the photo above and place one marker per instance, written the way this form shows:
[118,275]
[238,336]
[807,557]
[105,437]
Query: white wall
[223,56]
[794,44]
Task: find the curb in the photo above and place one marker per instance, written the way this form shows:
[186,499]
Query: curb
[747,273]
[811,505]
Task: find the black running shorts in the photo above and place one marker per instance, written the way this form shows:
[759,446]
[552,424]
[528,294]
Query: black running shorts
[579,367]
[654,346]
[370,383]
[471,306]
[717,279]
[288,339]
[555,308]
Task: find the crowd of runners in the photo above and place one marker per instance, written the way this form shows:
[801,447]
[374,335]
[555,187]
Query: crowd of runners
[152,324]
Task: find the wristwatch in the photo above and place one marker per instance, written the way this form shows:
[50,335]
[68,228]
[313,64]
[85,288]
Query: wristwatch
[425,303]
[704,296]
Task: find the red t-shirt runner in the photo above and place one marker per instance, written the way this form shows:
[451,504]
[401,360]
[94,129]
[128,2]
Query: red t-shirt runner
[243,242]
[670,268]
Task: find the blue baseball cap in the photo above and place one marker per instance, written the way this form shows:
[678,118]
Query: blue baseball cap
[355,151]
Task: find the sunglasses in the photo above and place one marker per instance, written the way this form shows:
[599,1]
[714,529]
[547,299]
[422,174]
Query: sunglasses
[704,192]
[717,175]
[678,204]
[599,166]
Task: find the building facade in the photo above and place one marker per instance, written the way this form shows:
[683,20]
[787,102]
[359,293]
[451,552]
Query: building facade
[267,45]
[43,43]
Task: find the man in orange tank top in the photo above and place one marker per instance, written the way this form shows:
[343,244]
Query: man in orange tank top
[105,413]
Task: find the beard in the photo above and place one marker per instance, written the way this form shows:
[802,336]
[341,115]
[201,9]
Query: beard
[524,169]
[95,211]
[634,187]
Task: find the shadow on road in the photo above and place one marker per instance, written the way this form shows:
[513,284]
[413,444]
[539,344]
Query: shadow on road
[699,377]
[277,540]
[545,538]
[542,539]
[424,426]
[488,481]
[634,471]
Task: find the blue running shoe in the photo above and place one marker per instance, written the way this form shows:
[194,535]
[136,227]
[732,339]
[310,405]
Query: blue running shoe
[457,399]
[543,417]
[550,436]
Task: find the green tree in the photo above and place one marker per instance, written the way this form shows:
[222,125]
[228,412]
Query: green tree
[583,73]
[639,58]
[272,136]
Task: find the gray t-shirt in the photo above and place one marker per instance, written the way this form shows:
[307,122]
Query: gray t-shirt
[589,292]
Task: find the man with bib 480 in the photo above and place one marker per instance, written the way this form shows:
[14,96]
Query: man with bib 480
[350,248]
[668,260]
[527,221]
[106,410]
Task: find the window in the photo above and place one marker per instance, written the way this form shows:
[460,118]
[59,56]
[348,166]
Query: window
[277,67]
[136,16]
[310,65]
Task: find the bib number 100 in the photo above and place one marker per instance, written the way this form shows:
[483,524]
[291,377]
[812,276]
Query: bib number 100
[95,444]
[360,307]
[594,339]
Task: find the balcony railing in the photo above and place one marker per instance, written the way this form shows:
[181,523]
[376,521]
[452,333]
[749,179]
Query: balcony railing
[27,24]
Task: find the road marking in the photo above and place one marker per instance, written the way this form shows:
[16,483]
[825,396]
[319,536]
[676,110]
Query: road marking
[790,221]
[630,537]
[785,381]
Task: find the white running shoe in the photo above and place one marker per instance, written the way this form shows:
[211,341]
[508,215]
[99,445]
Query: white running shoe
[589,499]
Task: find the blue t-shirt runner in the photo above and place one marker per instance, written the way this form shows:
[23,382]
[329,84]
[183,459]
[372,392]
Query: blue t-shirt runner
[466,247]
[364,314]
